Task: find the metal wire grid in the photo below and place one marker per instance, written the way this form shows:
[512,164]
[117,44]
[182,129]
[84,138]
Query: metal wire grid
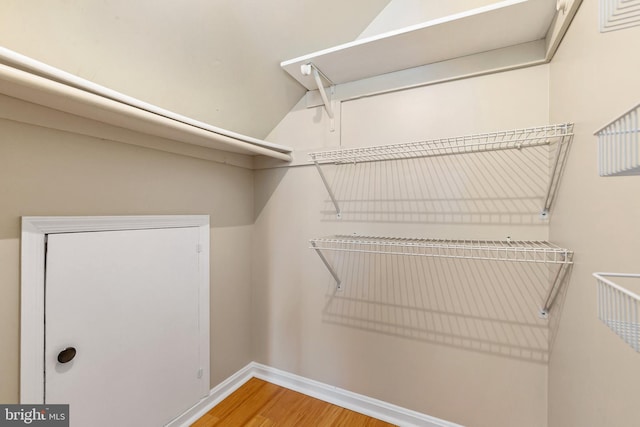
[618,308]
[619,145]
[516,251]
[503,140]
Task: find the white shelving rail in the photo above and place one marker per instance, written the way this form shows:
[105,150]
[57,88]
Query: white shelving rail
[559,134]
[619,145]
[540,252]
[618,307]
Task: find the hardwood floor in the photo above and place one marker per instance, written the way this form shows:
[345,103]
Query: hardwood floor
[261,404]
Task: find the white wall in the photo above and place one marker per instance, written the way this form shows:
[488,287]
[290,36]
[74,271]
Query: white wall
[593,375]
[459,340]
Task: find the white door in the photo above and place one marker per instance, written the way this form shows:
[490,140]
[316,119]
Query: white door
[128,303]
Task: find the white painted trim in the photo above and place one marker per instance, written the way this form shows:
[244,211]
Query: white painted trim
[353,401]
[75,224]
[32,314]
[34,230]
[204,286]
[217,395]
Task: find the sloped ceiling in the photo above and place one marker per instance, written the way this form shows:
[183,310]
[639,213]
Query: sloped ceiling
[213,60]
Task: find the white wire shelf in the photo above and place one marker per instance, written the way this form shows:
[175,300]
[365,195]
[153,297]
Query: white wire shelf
[559,134]
[539,252]
[618,307]
[503,140]
[516,251]
[619,145]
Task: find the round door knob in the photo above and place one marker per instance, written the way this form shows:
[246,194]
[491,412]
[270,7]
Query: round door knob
[67,355]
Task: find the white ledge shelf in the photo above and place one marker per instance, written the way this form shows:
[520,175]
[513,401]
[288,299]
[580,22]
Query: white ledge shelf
[618,307]
[516,139]
[619,145]
[539,252]
[504,24]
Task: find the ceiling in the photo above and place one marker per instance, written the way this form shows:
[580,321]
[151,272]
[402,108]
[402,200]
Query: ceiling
[216,61]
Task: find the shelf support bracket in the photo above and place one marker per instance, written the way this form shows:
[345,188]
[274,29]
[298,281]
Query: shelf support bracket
[556,170]
[553,291]
[308,69]
[328,187]
[328,265]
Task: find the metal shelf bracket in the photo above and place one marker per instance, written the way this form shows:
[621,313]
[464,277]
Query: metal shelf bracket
[543,313]
[308,69]
[328,187]
[559,158]
[328,265]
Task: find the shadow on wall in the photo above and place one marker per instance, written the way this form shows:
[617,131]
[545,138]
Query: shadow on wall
[496,187]
[265,182]
[558,301]
[483,306]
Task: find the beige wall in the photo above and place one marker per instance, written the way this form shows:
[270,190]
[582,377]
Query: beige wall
[46,172]
[593,375]
[403,13]
[459,340]
[215,61]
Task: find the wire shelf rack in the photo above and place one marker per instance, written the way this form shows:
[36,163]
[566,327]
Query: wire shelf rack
[618,307]
[558,134]
[515,251]
[539,252]
[619,145]
[503,140]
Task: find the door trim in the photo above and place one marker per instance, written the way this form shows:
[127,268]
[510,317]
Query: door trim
[34,231]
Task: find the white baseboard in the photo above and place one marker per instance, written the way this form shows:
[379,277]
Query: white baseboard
[216,395]
[356,402]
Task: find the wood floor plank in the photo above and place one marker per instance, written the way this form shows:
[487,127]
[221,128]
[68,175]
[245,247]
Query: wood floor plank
[206,420]
[285,410]
[250,404]
[261,404]
[231,403]
[260,421]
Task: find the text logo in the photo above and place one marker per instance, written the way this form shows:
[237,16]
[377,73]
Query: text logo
[34,415]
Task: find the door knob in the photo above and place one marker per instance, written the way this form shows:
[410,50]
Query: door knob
[67,355]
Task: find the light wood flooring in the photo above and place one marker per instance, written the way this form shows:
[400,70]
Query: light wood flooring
[258,403]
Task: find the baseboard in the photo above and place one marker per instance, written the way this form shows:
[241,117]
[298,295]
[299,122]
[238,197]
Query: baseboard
[353,401]
[216,395]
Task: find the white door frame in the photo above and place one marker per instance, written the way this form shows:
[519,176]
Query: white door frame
[34,231]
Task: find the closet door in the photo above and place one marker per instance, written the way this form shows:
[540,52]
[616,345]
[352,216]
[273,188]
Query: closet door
[121,322]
